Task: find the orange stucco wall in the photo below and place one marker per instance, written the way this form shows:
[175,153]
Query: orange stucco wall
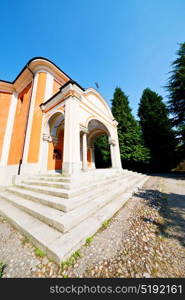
[17,140]
[56,86]
[53,163]
[34,145]
[5,100]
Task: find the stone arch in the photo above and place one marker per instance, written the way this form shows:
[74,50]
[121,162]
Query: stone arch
[51,122]
[55,131]
[96,99]
[94,129]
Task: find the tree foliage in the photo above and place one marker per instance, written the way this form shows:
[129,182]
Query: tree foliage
[132,149]
[102,152]
[176,103]
[176,88]
[157,130]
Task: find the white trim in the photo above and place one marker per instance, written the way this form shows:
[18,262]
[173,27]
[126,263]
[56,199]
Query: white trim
[55,109]
[8,131]
[47,68]
[41,69]
[55,101]
[96,93]
[59,96]
[30,119]
[96,115]
[43,149]
[49,86]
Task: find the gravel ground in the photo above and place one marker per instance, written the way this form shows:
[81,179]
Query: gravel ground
[144,239]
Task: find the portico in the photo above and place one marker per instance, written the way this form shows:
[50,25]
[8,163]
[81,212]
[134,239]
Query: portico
[81,127]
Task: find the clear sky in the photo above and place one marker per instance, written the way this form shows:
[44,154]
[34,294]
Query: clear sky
[125,43]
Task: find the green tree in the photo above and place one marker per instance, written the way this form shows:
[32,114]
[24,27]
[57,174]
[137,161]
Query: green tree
[157,130]
[102,152]
[176,103]
[176,88]
[134,154]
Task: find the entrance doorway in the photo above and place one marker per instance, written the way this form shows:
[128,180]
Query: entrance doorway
[55,150]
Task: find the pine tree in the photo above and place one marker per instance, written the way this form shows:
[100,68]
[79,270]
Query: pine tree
[176,89]
[133,152]
[157,130]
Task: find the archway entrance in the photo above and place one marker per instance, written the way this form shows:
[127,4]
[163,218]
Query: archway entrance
[98,148]
[55,150]
[102,152]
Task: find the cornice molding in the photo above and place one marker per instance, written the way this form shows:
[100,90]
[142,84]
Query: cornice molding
[35,65]
[66,92]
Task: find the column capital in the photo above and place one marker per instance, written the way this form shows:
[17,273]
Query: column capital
[112,141]
[115,122]
[46,137]
[84,129]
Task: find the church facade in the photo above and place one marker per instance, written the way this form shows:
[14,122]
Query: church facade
[49,123]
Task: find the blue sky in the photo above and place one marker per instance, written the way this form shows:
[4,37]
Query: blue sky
[125,43]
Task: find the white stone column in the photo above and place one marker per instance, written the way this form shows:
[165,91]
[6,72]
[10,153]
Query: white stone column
[71,155]
[93,158]
[84,151]
[115,153]
[91,148]
[112,156]
[43,149]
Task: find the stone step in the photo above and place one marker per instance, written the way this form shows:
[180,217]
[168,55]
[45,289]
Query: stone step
[50,178]
[61,203]
[38,232]
[76,216]
[56,174]
[62,193]
[65,221]
[60,184]
[44,213]
[67,185]
[87,176]
[44,199]
[65,193]
[59,246]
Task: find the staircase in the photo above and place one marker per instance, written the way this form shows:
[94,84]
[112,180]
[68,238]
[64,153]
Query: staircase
[59,213]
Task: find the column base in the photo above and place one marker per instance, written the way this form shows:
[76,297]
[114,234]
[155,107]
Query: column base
[71,169]
[7,173]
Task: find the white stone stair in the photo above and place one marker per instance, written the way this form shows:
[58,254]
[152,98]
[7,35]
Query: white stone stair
[76,188]
[59,226]
[65,221]
[63,203]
